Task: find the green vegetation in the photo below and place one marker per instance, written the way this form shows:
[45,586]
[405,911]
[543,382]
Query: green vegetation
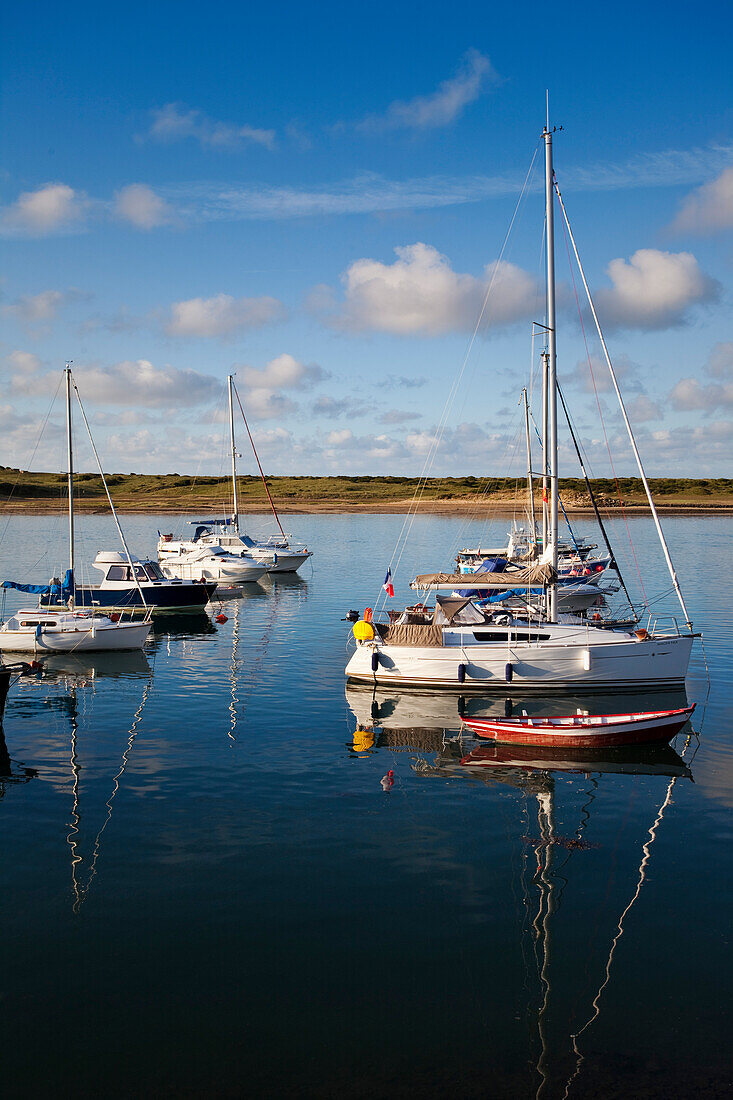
[22,490]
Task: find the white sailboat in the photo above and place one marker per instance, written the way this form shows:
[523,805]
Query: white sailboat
[280,553]
[39,630]
[462,646]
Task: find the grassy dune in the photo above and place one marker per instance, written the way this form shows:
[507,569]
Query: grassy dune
[22,491]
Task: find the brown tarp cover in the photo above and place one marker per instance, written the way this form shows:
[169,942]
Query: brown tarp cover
[535,574]
[414,634]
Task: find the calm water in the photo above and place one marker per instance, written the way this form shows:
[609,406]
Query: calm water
[206,889]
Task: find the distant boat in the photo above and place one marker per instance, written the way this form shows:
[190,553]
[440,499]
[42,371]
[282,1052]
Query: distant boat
[39,630]
[121,589]
[203,558]
[279,553]
[584,730]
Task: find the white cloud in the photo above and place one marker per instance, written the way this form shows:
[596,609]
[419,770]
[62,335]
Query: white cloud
[720,363]
[23,362]
[642,408]
[139,205]
[420,294]
[175,123]
[369,193]
[40,309]
[53,206]
[654,289]
[709,208]
[222,315]
[690,394]
[597,379]
[263,396]
[399,416]
[131,382]
[442,106]
[333,407]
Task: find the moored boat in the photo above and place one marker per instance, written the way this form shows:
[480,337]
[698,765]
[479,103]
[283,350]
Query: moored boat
[139,585]
[584,730]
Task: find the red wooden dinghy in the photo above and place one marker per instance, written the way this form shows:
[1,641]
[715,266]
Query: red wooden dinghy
[584,730]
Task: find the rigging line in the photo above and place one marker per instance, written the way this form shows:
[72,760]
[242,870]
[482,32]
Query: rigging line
[646,849]
[133,571]
[33,455]
[257,459]
[115,787]
[614,563]
[598,401]
[624,414]
[437,439]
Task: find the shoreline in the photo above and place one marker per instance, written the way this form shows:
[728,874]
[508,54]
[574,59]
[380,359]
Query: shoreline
[38,507]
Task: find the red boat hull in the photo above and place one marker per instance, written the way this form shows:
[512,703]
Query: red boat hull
[581,731]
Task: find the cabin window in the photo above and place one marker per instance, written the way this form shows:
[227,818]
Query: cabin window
[117,572]
[154,571]
[506,636]
[140,573]
[39,622]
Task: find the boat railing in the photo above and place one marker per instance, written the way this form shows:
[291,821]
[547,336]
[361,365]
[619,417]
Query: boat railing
[669,625]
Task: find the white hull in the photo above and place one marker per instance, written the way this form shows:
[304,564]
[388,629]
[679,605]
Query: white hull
[613,662]
[84,639]
[231,572]
[286,563]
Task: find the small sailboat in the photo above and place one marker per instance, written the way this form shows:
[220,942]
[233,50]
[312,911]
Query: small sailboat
[584,730]
[42,630]
[277,554]
[474,647]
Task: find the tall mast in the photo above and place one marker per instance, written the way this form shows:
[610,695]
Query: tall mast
[551,363]
[530,485]
[70,469]
[235,517]
[545,516]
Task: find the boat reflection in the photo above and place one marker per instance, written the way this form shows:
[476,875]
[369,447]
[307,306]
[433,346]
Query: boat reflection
[559,889]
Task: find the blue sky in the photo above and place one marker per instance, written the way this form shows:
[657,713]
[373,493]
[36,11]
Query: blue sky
[314,198]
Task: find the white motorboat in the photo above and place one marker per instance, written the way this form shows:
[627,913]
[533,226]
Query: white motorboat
[38,630]
[42,630]
[196,559]
[124,586]
[459,645]
[277,554]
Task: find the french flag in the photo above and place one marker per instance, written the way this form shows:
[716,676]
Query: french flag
[388,586]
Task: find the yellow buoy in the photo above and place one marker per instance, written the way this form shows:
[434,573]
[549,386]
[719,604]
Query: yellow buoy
[363,632]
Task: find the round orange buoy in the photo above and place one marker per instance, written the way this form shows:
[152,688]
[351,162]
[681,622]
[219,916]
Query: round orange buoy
[221,618]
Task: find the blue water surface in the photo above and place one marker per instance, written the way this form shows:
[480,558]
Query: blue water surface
[207,888]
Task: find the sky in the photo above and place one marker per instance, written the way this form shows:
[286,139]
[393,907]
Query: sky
[342,205]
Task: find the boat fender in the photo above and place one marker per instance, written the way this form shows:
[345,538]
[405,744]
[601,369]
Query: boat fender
[368,615]
[509,672]
[387,780]
[508,708]
[375,661]
[642,634]
[363,631]
[114,617]
[461,674]
[221,618]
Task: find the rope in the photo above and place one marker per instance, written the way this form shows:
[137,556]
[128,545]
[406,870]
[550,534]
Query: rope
[440,431]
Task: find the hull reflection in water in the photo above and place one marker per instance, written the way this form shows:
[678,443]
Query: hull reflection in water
[563,863]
